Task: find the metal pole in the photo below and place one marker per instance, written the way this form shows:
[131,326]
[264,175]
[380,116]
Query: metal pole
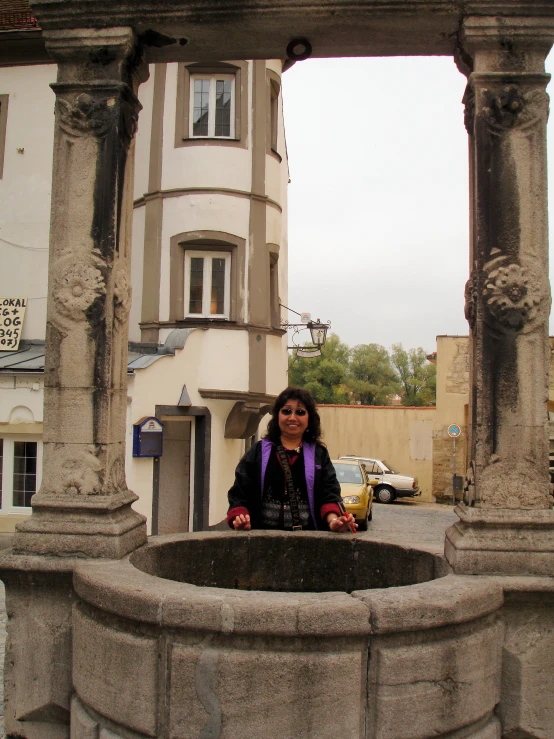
[454,471]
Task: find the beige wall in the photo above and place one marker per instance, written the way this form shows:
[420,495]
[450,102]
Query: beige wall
[414,441]
[402,436]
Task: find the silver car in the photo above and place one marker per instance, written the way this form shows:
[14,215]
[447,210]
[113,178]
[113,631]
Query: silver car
[390,485]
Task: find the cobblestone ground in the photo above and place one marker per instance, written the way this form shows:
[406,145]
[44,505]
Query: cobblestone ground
[403,522]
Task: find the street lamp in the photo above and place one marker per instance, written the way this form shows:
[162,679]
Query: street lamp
[318,332]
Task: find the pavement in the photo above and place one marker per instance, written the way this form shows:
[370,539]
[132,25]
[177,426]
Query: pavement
[407,522]
[411,522]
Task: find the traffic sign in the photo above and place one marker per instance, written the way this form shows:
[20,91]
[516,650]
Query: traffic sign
[454,430]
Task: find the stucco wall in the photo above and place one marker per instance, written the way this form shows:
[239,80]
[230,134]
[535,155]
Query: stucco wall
[401,436]
[199,365]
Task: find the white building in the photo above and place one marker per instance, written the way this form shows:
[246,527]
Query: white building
[209,270]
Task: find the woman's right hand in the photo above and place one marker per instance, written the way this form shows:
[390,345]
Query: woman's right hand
[242,522]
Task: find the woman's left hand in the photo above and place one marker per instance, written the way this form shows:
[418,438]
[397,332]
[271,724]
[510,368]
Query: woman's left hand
[342,523]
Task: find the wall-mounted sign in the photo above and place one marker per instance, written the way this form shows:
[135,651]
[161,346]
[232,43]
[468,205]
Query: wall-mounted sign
[148,436]
[12,312]
[454,430]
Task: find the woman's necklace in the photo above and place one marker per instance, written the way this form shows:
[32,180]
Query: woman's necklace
[296,449]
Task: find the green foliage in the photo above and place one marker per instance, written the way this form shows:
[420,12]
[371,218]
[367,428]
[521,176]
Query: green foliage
[372,379]
[323,376]
[367,374]
[417,375]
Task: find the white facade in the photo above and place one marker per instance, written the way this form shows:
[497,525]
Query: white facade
[220,199]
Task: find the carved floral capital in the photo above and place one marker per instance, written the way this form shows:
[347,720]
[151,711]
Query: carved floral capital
[97,114]
[509,106]
[85,116]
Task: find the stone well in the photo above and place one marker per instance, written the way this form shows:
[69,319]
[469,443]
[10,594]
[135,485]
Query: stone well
[246,635]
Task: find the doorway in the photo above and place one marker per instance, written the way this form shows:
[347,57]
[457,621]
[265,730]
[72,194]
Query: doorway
[174,477]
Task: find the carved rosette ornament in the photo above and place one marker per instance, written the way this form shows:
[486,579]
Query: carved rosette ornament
[121,297]
[510,297]
[76,289]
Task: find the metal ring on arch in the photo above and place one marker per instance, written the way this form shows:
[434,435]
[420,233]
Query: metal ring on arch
[299,56]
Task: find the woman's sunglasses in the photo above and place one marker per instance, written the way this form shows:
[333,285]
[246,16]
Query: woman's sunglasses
[289,411]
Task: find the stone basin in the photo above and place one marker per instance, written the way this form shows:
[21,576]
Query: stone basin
[276,635]
[312,562]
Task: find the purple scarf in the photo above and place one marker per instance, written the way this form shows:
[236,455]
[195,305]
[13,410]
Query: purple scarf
[309,469]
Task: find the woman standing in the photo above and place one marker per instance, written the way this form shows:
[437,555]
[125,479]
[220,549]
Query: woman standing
[286,481]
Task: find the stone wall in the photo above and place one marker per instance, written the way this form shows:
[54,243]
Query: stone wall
[452,401]
[443,464]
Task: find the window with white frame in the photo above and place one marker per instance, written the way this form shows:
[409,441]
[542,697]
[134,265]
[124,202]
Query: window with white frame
[212,101]
[20,469]
[207,284]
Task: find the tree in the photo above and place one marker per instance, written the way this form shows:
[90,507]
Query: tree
[372,379]
[325,376]
[418,376]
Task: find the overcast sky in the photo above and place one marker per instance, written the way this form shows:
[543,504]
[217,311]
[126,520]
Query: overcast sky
[378,199]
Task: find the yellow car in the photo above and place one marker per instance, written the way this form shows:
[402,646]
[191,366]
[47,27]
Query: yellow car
[357,494]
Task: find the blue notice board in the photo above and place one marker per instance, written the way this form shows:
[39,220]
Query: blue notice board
[148,438]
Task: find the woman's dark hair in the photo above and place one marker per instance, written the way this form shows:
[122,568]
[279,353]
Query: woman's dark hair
[313,432]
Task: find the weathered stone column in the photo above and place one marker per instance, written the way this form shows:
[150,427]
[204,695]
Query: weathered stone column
[506,521]
[83,507]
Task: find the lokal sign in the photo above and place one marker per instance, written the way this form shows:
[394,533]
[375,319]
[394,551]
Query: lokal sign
[12,312]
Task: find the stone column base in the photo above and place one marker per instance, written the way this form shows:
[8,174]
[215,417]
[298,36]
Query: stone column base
[89,526]
[37,667]
[501,542]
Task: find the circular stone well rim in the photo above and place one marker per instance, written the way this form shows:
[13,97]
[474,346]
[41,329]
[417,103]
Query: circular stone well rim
[278,561]
[118,587]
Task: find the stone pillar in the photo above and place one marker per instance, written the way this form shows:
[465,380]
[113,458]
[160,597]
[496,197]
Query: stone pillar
[83,507]
[506,521]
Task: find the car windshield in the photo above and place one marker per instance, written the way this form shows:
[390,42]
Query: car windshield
[348,473]
[387,468]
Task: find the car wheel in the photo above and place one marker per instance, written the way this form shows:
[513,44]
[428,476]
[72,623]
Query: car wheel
[362,524]
[370,514]
[385,495]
